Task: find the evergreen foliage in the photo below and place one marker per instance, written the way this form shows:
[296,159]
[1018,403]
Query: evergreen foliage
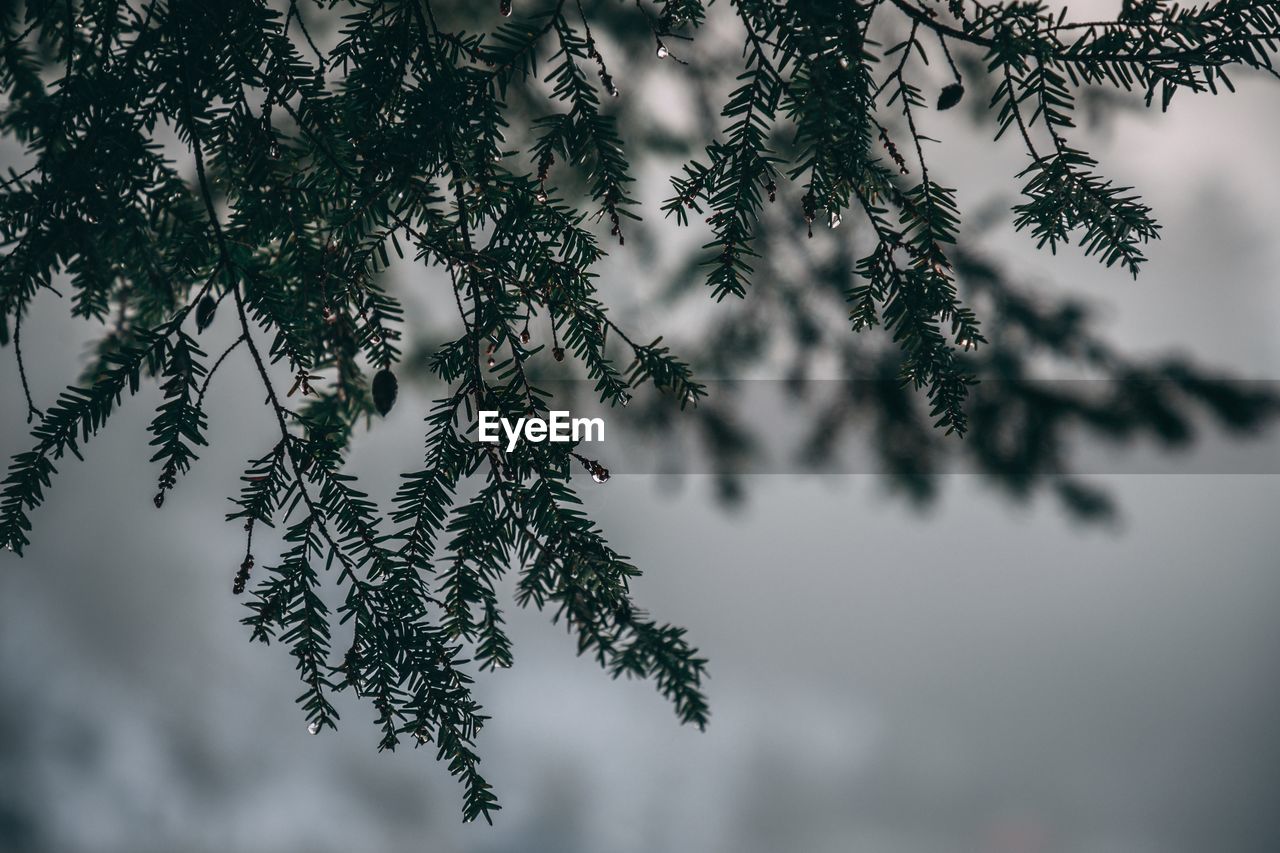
[213,158]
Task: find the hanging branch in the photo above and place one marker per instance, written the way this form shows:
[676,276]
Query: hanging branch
[315,164]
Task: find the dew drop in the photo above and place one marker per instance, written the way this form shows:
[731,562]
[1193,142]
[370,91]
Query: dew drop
[663,53]
[600,474]
[314,727]
[833,219]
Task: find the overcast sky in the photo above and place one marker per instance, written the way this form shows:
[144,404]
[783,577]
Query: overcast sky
[984,677]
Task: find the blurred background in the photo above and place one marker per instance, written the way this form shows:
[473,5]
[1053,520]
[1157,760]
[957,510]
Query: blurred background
[983,673]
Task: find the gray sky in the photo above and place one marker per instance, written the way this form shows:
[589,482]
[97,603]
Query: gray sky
[984,677]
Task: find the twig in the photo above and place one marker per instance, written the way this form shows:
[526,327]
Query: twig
[32,411]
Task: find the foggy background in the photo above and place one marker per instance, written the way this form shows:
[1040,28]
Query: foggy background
[985,676]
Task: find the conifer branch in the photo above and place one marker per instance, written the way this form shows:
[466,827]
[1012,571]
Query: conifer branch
[319,168]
